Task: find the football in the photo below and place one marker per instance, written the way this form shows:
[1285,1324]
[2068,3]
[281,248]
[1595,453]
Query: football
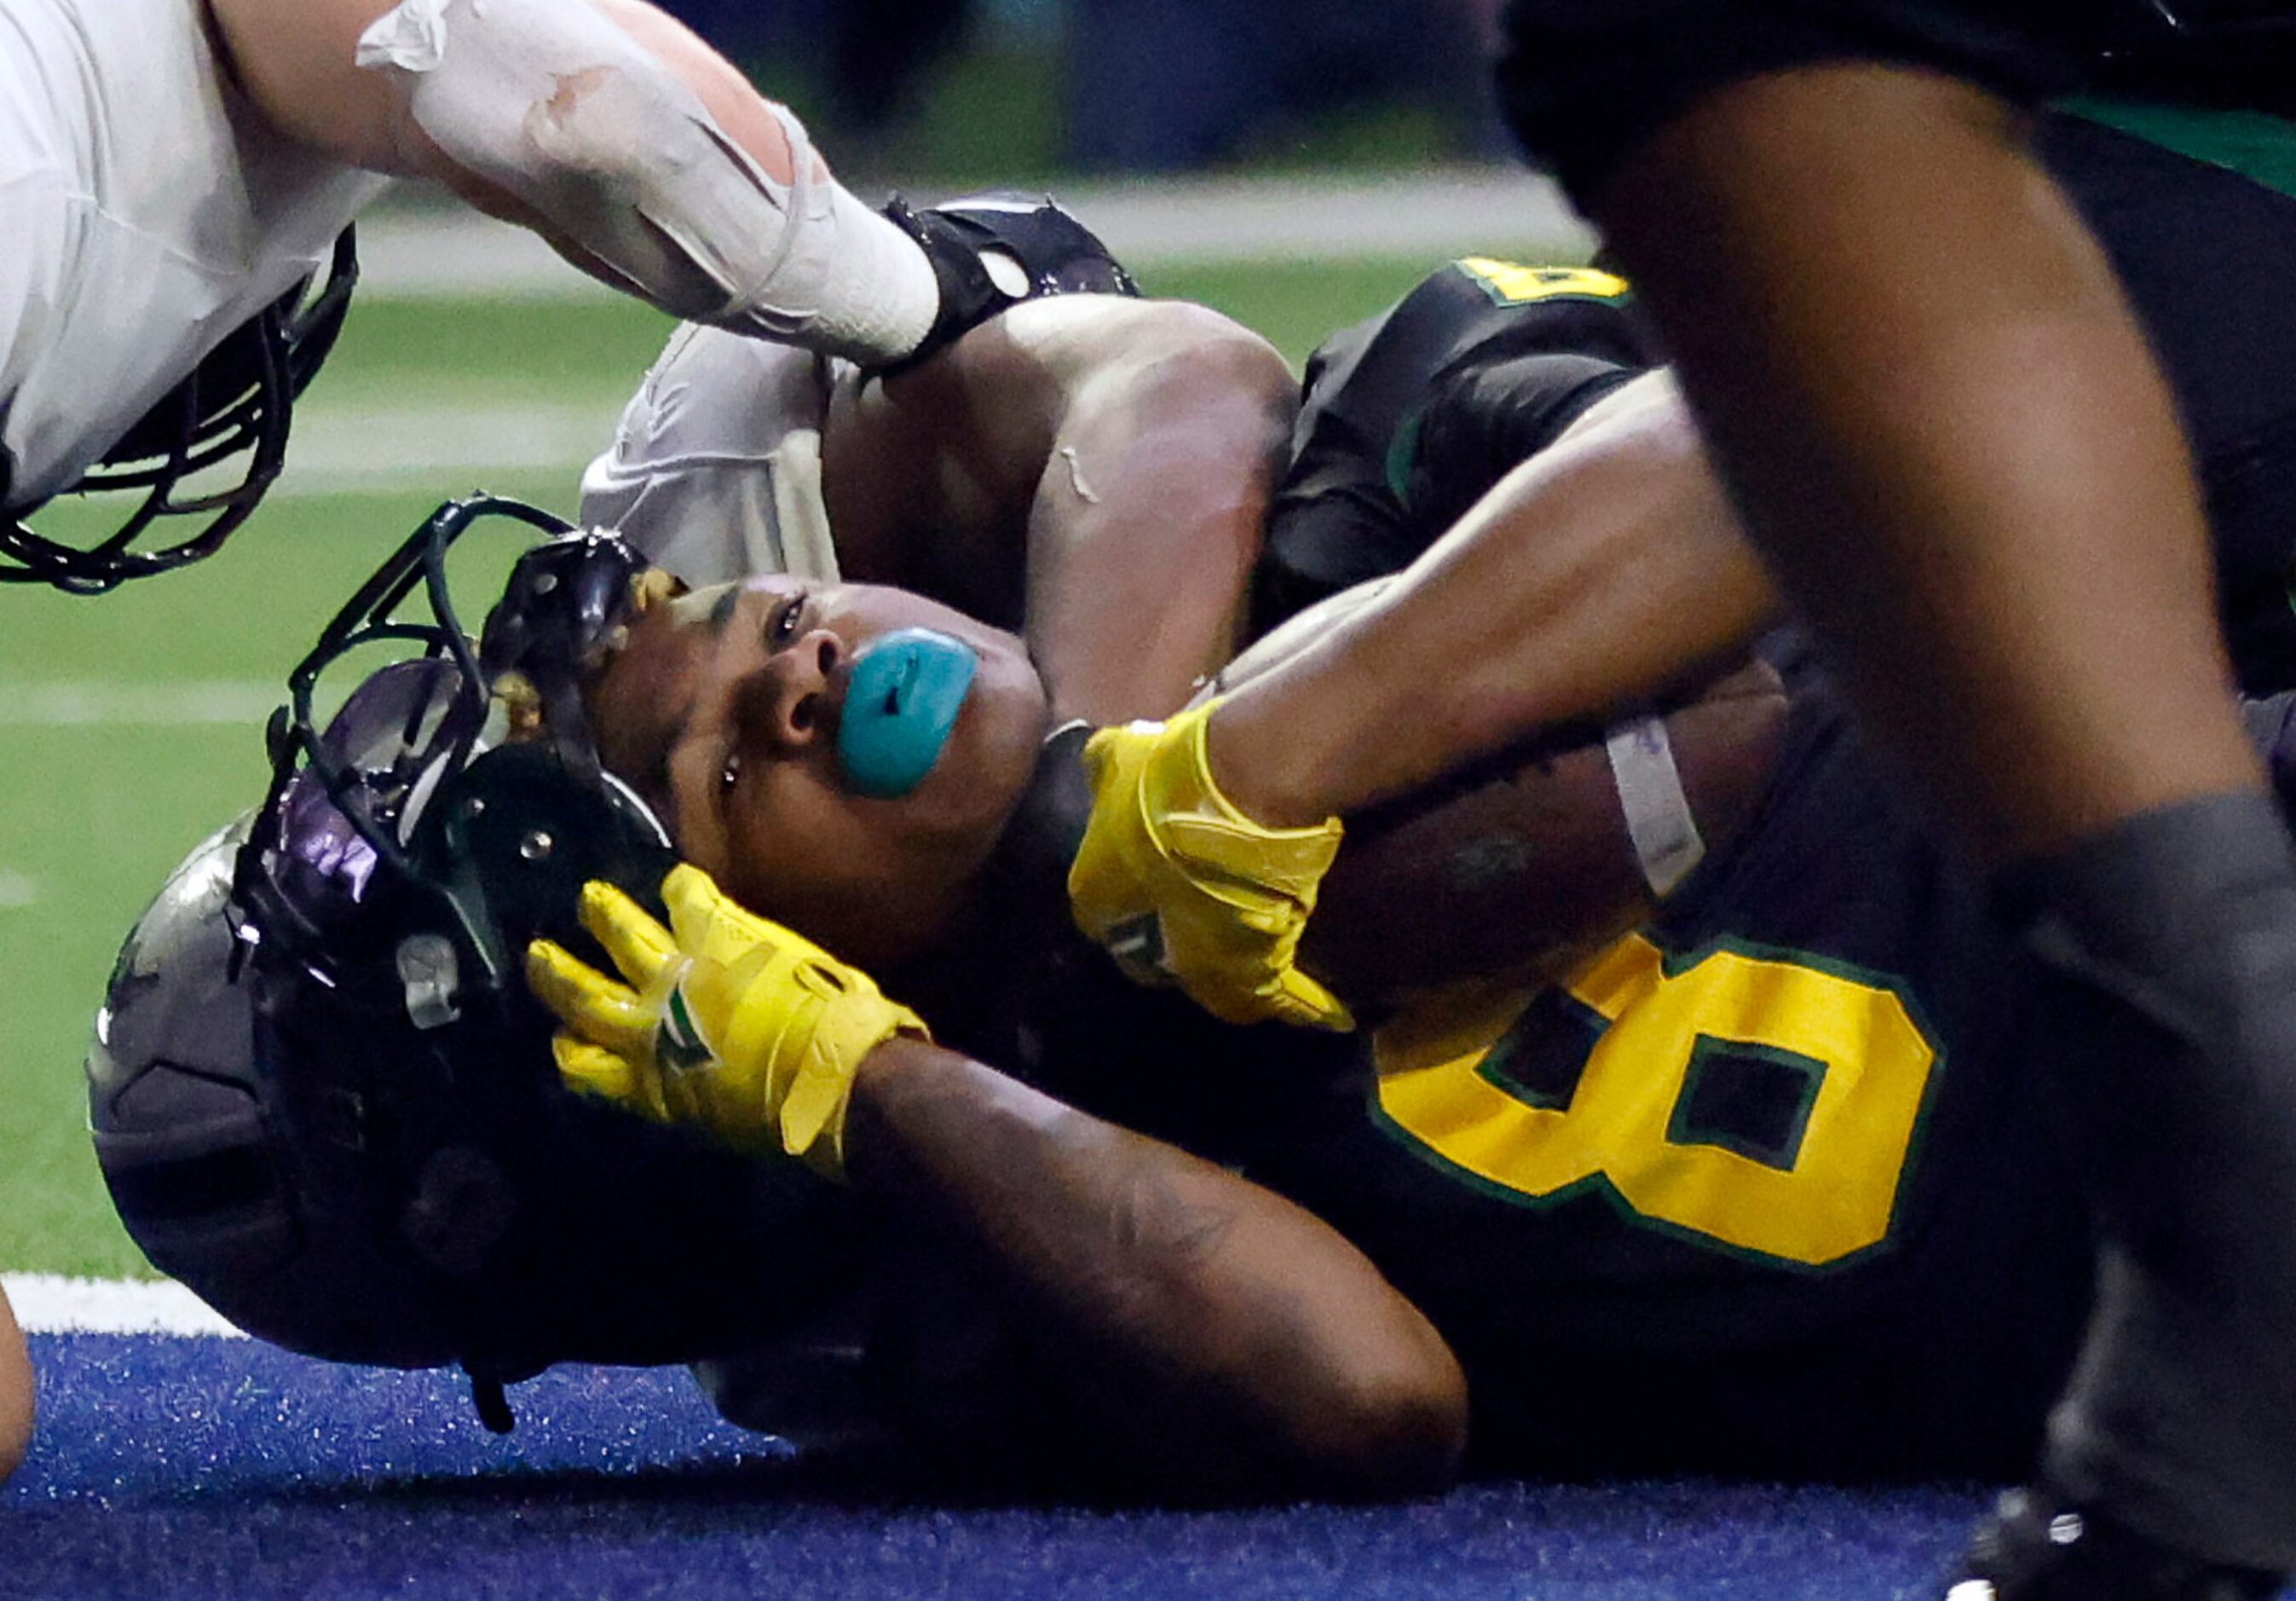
[1513,868]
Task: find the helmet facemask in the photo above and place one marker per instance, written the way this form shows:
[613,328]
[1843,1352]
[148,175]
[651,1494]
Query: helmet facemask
[239,401]
[471,1209]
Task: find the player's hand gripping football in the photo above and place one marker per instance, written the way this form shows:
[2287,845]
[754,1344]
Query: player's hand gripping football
[1177,883]
[727,1022]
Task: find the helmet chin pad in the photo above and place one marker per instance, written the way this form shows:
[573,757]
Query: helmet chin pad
[565,609]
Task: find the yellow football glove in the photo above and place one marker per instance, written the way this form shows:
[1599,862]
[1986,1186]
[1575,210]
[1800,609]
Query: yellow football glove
[729,1023]
[1175,882]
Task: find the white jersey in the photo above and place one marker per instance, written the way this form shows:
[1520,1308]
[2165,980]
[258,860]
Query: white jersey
[145,212]
[715,472]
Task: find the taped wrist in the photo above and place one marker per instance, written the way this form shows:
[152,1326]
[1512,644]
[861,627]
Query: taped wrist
[551,103]
[1659,821]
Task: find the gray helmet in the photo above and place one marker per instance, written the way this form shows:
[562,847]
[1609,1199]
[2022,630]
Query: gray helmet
[321,1094]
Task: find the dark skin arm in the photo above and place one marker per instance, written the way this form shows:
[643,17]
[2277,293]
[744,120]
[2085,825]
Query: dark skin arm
[1210,1340]
[1929,395]
[16,1392]
[1894,431]
[1090,470]
[1605,571]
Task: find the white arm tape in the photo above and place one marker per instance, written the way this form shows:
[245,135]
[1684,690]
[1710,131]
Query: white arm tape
[1659,821]
[551,103]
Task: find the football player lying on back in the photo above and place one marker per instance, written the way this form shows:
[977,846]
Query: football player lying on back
[1767,1197]
[1755,1194]
[324,1098]
[1744,1082]
[1172,1308]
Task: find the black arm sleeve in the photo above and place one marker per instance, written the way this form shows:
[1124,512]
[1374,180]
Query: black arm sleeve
[1408,419]
[1491,420]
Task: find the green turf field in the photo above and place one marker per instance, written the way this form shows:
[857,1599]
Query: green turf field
[131,724]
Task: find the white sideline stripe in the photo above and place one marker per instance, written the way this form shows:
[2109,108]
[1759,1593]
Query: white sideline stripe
[49,1303]
[97,703]
[419,253]
[359,446]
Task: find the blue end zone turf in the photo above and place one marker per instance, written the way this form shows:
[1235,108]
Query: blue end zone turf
[201,1467]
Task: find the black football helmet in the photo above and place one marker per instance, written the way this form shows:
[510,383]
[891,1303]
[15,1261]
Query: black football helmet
[239,400]
[320,1092]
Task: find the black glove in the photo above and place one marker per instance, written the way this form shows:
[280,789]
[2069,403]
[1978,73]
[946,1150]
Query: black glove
[1039,248]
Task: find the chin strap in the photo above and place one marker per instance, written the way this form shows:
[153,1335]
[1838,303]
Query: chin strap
[1030,862]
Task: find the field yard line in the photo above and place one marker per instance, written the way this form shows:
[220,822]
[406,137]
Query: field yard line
[49,1303]
[421,253]
[76,704]
[349,446]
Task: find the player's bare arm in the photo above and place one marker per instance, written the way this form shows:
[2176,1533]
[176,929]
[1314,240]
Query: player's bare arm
[1147,518]
[1092,468]
[1227,1341]
[1207,1336]
[1507,870]
[610,130]
[16,1392]
[296,63]
[1601,572]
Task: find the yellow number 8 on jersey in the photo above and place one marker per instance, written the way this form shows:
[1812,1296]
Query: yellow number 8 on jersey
[1830,1191]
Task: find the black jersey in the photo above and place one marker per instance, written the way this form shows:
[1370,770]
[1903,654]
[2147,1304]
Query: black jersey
[1585,83]
[1764,1187]
[1759,1188]
[1409,416]
[1755,1191]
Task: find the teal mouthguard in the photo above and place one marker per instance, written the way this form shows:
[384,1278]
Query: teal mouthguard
[901,705]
